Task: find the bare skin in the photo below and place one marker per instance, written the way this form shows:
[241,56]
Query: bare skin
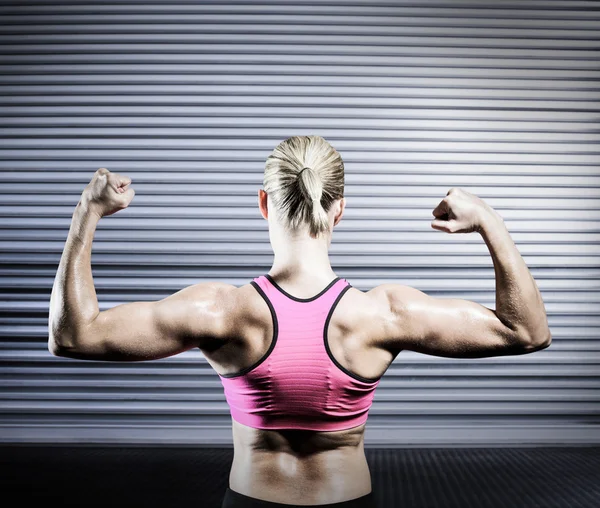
[233,328]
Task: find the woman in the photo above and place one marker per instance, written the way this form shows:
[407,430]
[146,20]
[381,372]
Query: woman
[299,350]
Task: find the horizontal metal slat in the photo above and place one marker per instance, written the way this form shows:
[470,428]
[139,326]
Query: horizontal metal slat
[480,135]
[510,156]
[278,40]
[448,70]
[314,19]
[240,145]
[267,112]
[512,10]
[543,5]
[512,101]
[300,48]
[265,56]
[253,79]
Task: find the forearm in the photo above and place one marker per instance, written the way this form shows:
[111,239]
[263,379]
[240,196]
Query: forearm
[73,302]
[519,304]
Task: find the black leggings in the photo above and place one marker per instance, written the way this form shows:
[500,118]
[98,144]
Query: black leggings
[234,499]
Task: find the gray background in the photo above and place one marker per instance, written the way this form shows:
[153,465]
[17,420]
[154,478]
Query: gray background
[189,99]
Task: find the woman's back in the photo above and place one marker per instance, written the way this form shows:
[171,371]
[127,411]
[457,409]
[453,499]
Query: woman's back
[299,381]
[302,396]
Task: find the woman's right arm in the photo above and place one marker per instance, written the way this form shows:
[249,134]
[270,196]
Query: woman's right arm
[462,328]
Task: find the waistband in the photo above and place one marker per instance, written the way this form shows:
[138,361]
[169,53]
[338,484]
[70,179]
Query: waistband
[234,499]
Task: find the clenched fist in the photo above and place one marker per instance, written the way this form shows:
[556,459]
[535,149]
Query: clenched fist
[460,212]
[107,192]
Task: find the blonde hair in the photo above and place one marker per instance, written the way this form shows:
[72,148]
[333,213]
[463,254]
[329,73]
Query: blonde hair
[304,175]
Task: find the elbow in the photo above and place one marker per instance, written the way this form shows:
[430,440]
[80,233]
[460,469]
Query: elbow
[56,348]
[64,345]
[75,351]
[65,340]
[531,339]
[78,348]
[60,337]
[538,343]
[546,341]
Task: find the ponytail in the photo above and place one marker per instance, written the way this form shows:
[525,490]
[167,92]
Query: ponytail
[303,177]
[311,188]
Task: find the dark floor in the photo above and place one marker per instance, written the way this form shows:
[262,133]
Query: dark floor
[197,477]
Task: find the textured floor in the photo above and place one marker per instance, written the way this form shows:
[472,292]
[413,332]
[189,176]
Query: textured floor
[197,477]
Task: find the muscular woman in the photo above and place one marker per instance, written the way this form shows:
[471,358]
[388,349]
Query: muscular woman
[298,349]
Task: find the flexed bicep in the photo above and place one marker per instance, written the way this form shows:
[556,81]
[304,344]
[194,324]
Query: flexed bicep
[448,327]
[138,331]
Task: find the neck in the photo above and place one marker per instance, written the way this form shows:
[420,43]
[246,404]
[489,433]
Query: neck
[301,256]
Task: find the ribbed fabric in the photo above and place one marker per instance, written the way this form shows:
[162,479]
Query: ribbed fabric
[298,384]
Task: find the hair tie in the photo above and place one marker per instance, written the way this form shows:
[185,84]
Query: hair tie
[306,167]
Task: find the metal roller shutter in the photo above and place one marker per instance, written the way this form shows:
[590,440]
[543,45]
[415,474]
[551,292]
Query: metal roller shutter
[189,98]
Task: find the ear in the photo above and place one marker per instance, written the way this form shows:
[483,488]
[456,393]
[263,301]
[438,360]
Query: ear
[340,212]
[262,203]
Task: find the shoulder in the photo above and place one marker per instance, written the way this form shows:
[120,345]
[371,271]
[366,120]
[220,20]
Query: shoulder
[375,302]
[376,314]
[219,294]
[391,296]
[217,308]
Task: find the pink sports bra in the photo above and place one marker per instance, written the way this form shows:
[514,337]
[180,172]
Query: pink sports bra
[298,384]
